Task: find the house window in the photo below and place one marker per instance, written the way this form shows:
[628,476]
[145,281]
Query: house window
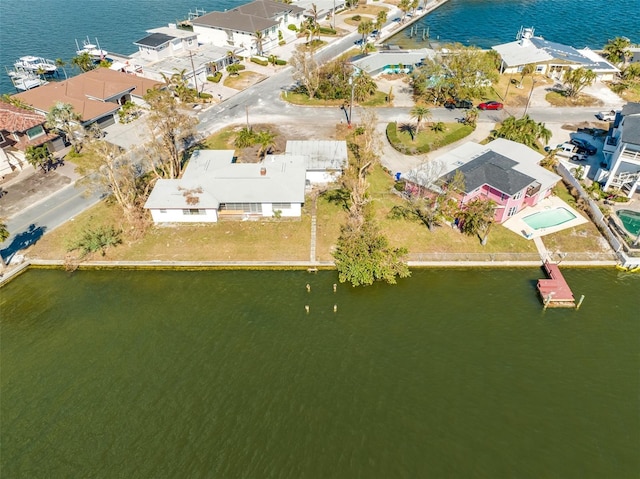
[539,68]
[503,196]
[35,132]
[518,195]
[512,211]
[282,206]
[193,211]
[244,207]
[163,211]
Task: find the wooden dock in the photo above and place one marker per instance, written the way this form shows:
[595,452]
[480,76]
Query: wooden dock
[554,290]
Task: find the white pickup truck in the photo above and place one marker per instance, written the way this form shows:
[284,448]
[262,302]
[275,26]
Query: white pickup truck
[571,151]
[606,115]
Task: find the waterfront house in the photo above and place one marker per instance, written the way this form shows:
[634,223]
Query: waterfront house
[20,129]
[622,151]
[324,160]
[165,42]
[391,61]
[95,95]
[550,58]
[236,29]
[214,187]
[504,171]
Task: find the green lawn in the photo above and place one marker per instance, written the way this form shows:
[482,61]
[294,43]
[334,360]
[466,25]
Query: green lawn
[427,139]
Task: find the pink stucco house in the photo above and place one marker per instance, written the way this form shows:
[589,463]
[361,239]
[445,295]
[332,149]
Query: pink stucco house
[504,171]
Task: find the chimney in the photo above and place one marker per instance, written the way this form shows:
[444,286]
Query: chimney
[263,171]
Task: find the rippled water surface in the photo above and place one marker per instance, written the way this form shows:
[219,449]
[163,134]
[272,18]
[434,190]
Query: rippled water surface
[451,373]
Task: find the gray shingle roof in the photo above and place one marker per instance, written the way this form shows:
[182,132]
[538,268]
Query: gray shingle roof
[154,40]
[630,108]
[493,169]
[631,130]
[267,8]
[235,20]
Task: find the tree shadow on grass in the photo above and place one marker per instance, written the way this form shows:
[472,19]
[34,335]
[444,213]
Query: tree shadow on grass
[22,241]
[408,128]
[338,196]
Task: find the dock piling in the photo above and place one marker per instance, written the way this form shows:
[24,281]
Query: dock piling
[579,302]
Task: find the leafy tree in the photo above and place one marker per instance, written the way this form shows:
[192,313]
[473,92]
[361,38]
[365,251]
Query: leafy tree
[172,129]
[306,70]
[575,80]
[84,62]
[38,157]
[63,118]
[363,256]
[524,130]
[414,5]
[420,112]
[617,50]
[98,239]
[476,218]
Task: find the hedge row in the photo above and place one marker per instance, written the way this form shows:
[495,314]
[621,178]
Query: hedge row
[260,61]
[327,31]
[394,140]
[215,78]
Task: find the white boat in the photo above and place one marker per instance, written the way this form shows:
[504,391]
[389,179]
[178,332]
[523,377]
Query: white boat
[36,65]
[93,49]
[24,80]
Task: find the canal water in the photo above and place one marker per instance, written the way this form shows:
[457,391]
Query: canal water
[449,374]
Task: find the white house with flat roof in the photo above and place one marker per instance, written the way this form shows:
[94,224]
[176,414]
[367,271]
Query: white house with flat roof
[323,160]
[165,42]
[550,58]
[391,61]
[236,29]
[622,151]
[214,187]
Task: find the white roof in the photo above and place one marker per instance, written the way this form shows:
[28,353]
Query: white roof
[320,154]
[378,60]
[213,179]
[173,32]
[515,54]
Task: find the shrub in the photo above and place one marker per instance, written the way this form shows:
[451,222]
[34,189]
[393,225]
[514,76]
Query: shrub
[280,62]
[292,27]
[400,185]
[94,240]
[281,42]
[327,31]
[206,96]
[356,18]
[241,67]
[259,61]
[215,78]
[454,136]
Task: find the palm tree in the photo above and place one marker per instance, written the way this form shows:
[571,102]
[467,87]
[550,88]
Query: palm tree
[381,19]
[314,18]
[4,234]
[60,63]
[38,157]
[575,80]
[245,138]
[420,112]
[84,62]
[528,69]
[524,130]
[471,117]
[617,50]
[63,118]
[258,41]
[404,6]
[414,5]
[365,28]
[266,140]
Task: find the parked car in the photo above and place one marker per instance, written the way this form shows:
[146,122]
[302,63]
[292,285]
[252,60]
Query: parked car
[453,103]
[491,105]
[606,115]
[569,150]
[585,145]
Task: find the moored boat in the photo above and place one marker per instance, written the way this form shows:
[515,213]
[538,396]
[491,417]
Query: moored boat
[25,80]
[93,49]
[36,64]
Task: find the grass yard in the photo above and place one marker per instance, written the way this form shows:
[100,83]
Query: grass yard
[557,98]
[243,80]
[427,139]
[516,97]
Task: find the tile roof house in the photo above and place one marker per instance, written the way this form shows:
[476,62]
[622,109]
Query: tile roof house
[550,58]
[622,151]
[503,171]
[214,187]
[95,95]
[19,129]
[236,29]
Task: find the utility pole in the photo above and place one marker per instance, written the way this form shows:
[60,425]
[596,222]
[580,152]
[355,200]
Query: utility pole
[351,82]
[533,83]
[193,69]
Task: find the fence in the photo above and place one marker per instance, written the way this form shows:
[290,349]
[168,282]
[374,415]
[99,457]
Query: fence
[508,257]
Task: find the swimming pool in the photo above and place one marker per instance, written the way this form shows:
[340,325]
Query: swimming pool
[630,220]
[549,218]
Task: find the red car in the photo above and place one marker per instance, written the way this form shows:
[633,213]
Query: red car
[491,105]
